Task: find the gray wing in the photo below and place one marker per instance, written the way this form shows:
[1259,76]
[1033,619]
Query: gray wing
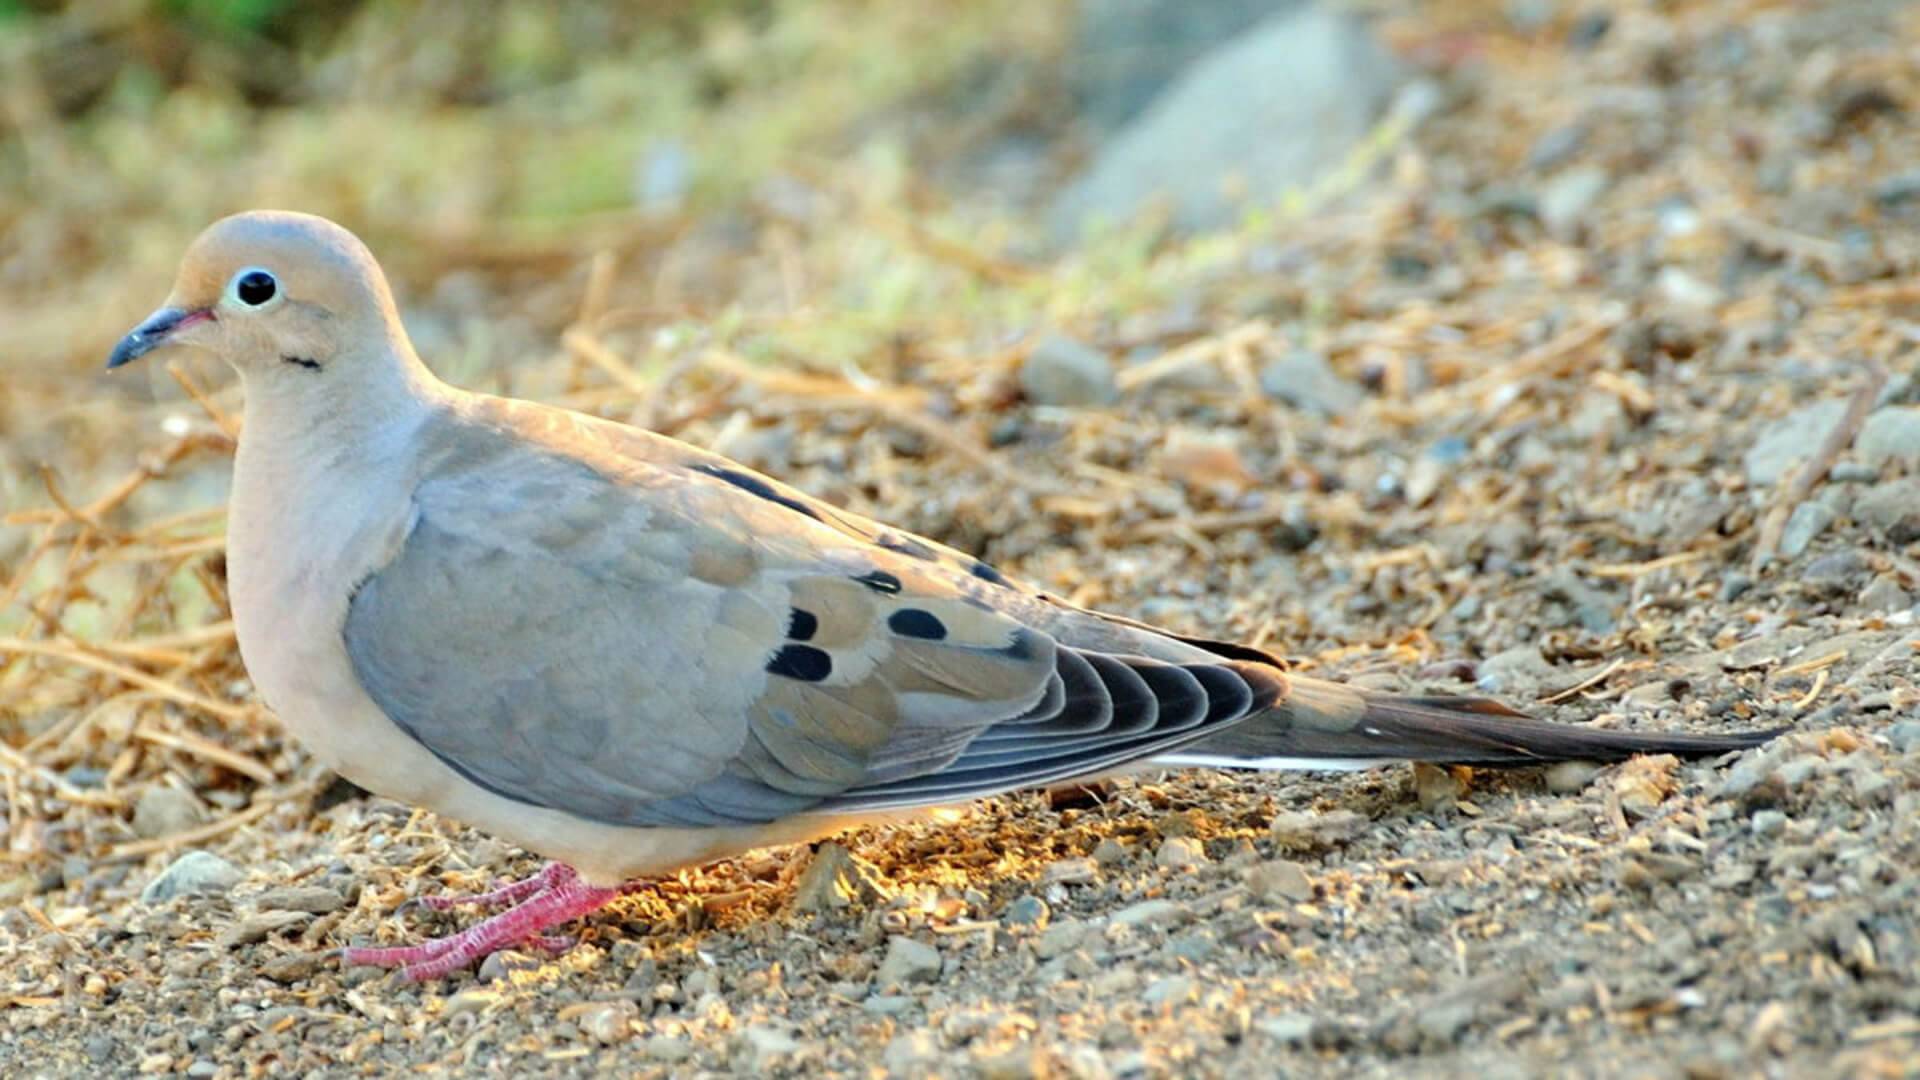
[652,644]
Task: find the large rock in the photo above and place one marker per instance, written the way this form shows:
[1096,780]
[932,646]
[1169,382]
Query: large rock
[1126,51]
[1269,110]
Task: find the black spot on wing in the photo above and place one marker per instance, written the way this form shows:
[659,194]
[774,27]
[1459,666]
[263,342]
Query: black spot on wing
[906,545]
[916,623]
[754,485]
[803,662]
[879,581]
[802,624]
[988,574]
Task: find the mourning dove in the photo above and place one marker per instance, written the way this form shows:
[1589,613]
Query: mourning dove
[630,655]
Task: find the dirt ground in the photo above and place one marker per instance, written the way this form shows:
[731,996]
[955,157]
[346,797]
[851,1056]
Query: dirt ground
[1599,397]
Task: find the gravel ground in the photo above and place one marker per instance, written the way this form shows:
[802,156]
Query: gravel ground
[1530,417]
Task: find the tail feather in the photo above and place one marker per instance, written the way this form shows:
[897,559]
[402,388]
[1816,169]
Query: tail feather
[1330,726]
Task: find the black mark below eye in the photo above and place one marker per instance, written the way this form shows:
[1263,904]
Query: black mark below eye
[802,624]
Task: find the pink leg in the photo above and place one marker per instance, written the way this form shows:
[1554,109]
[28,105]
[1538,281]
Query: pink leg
[511,893]
[561,897]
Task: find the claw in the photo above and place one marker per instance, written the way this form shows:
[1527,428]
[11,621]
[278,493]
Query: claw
[549,898]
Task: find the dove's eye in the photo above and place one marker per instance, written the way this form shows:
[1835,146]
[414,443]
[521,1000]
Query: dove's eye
[254,287]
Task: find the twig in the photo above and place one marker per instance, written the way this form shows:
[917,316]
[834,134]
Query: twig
[1595,679]
[1819,684]
[16,762]
[232,713]
[1641,569]
[140,849]
[85,517]
[587,346]
[1207,524]
[1810,473]
[1818,663]
[211,751]
[227,424]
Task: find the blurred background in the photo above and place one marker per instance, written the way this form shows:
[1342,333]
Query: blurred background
[1072,265]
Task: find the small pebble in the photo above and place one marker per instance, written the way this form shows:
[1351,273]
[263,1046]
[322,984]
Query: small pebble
[908,961]
[312,899]
[1026,913]
[1061,938]
[1289,1027]
[1807,521]
[1436,788]
[834,880]
[1074,871]
[1180,853]
[1569,777]
[1567,199]
[1303,378]
[1150,913]
[1884,594]
[669,1048]
[610,1023]
[1280,879]
[1169,991]
[194,873]
[1301,830]
[1514,670]
[767,1043]
[1836,571]
[1767,823]
[1905,736]
[164,810]
[1064,372]
[1785,443]
[476,999]
[1890,434]
[1891,509]
[1442,1024]
[259,926]
[887,1004]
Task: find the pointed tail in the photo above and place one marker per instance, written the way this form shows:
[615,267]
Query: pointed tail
[1329,726]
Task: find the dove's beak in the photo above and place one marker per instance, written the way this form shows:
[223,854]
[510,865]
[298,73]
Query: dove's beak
[155,332]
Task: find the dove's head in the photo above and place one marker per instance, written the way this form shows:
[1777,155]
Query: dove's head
[272,291]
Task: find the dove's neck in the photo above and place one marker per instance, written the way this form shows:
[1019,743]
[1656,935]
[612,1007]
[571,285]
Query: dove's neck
[357,415]
[322,481]
[327,455]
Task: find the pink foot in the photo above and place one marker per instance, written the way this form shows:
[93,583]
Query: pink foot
[554,896]
[511,893]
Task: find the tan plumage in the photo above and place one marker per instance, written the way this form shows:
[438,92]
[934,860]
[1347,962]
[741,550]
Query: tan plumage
[629,654]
